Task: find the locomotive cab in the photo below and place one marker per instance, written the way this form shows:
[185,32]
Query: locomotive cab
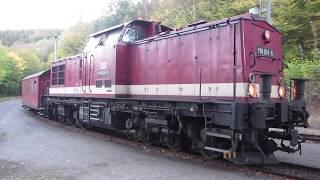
[105,58]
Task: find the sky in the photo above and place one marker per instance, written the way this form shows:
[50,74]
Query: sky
[47,14]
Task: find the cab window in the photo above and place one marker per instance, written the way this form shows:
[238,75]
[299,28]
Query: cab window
[133,34]
[103,39]
[93,42]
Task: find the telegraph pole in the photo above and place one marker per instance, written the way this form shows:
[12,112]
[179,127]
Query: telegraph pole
[55,46]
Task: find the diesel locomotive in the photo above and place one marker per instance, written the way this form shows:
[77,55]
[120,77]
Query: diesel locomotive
[214,88]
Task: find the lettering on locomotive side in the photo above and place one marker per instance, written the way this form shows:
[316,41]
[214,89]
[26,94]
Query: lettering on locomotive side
[262,51]
[103,73]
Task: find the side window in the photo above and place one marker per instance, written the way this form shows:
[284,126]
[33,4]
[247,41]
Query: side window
[133,34]
[58,75]
[99,84]
[107,83]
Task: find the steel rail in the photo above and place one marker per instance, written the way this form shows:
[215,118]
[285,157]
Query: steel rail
[289,170]
[311,138]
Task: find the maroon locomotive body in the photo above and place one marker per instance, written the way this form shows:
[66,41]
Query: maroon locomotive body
[217,86]
[194,63]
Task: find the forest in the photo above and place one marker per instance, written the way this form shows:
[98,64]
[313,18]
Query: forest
[24,52]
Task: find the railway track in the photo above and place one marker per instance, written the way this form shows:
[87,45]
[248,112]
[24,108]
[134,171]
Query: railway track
[282,170]
[311,138]
[289,170]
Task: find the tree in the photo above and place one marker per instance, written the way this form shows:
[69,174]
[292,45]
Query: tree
[10,72]
[118,12]
[72,41]
[30,62]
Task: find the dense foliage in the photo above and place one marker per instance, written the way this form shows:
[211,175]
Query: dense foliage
[14,66]
[28,51]
[23,52]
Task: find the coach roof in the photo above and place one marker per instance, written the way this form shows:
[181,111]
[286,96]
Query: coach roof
[36,74]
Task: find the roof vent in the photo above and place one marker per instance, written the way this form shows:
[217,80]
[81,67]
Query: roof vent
[254,10]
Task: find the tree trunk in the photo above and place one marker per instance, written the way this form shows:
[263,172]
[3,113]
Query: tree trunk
[301,50]
[315,34]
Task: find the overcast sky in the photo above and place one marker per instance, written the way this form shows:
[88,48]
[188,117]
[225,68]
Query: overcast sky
[43,14]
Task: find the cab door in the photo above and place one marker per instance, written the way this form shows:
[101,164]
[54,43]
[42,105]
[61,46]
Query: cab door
[86,64]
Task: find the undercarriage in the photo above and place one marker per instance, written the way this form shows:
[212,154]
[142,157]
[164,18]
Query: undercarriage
[244,133]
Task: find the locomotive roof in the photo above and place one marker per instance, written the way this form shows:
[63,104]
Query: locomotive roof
[117,27]
[67,57]
[107,30]
[202,25]
[36,74]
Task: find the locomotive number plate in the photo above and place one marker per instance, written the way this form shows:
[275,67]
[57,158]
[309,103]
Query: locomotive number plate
[261,51]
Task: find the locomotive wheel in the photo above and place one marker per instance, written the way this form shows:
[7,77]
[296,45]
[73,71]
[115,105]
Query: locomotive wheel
[61,119]
[70,120]
[77,121]
[50,113]
[53,113]
[174,142]
[78,124]
[69,117]
[141,136]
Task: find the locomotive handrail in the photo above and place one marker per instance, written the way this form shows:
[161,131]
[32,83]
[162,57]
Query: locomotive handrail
[91,59]
[254,59]
[82,62]
[282,65]
[84,78]
[85,72]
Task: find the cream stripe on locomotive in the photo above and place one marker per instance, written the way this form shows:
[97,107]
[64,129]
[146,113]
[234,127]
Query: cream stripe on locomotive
[210,89]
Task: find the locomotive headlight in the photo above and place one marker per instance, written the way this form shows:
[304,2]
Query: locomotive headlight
[252,90]
[267,35]
[282,91]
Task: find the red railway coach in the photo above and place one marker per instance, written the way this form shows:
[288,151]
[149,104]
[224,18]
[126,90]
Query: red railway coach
[213,87]
[33,88]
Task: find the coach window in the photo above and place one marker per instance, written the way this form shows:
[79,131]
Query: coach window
[133,34]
